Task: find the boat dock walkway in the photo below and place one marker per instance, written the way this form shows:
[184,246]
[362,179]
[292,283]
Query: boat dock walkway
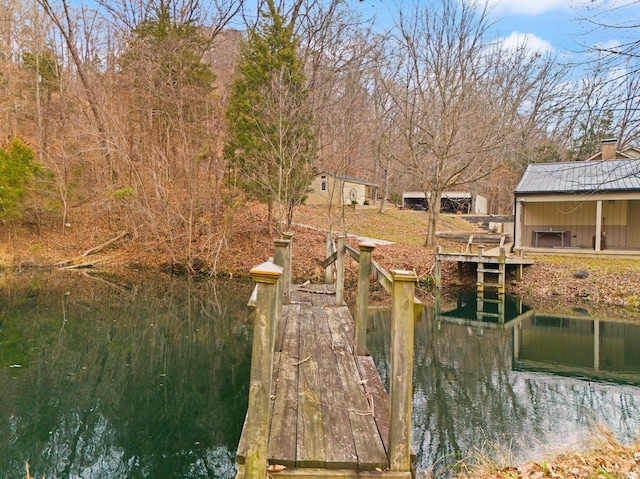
[492,263]
[317,405]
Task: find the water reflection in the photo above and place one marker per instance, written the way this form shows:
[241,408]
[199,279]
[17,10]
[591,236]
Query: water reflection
[494,386]
[482,309]
[596,349]
[106,380]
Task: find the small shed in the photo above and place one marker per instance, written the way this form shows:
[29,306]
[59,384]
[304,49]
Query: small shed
[451,202]
[330,188]
[582,205]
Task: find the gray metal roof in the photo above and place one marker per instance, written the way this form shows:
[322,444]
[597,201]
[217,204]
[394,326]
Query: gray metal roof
[581,177]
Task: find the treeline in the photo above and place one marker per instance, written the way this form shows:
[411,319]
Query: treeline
[147,111]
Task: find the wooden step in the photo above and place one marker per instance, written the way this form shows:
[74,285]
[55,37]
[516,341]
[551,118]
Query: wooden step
[489,270]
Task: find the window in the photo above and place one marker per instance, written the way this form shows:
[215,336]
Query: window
[323,183]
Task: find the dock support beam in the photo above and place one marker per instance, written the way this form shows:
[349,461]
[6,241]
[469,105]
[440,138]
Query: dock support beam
[281,258]
[401,374]
[480,278]
[328,243]
[438,276]
[502,271]
[340,271]
[362,299]
[286,270]
[266,276]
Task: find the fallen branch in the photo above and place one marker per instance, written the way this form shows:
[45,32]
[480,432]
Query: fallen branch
[303,361]
[312,291]
[90,251]
[87,264]
[104,245]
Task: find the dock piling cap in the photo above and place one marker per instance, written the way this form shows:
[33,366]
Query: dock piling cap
[266,272]
[403,275]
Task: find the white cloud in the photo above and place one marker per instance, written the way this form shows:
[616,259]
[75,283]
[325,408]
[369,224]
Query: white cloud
[530,7]
[532,42]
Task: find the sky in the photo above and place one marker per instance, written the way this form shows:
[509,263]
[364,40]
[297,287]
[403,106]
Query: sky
[549,26]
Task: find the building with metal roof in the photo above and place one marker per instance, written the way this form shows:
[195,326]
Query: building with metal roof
[585,206]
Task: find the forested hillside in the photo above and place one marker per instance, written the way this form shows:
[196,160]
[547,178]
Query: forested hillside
[168,119]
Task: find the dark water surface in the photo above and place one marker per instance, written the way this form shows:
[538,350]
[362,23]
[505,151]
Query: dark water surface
[105,378]
[108,380]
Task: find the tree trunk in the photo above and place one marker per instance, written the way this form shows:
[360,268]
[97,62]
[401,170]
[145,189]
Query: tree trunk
[385,191]
[433,201]
[66,30]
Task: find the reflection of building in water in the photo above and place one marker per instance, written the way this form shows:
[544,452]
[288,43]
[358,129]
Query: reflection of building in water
[576,346]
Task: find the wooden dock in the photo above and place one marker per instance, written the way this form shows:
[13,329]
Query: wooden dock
[491,263]
[323,411]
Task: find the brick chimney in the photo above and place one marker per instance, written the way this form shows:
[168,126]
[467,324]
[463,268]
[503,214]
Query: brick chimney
[609,147]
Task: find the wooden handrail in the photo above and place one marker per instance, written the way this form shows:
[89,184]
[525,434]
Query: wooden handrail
[382,276]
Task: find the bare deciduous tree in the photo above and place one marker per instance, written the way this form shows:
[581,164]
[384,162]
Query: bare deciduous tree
[462,96]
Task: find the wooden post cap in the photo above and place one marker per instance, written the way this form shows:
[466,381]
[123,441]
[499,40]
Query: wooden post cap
[266,273]
[403,275]
[286,235]
[366,246]
[282,242]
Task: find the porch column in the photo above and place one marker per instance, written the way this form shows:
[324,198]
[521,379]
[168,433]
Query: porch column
[598,244]
[518,222]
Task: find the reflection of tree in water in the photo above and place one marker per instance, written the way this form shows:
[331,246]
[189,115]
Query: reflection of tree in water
[467,399]
[143,381]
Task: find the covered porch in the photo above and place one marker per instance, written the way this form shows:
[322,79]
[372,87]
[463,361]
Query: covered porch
[585,224]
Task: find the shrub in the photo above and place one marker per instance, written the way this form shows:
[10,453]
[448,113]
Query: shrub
[18,173]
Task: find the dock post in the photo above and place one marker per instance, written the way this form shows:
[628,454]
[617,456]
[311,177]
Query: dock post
[502,271]
[340,271]
[479,305]
[438,276]
[286,299]
[401,373]
[362,299]
[480,278]
[328,252]
[280,258]
[266,276]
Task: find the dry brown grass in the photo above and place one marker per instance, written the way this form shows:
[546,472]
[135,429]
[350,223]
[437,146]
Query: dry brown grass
[601,457]
[400,226]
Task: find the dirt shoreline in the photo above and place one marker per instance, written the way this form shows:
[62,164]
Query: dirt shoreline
[601,286]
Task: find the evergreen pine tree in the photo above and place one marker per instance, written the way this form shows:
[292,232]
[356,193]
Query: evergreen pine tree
[269,144]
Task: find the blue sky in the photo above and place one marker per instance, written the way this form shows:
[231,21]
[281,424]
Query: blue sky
[552,26]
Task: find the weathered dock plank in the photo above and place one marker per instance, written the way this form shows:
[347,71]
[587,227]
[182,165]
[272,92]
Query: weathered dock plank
[311,427]
[369,447]
[282,439]
[376,395]
[340,448]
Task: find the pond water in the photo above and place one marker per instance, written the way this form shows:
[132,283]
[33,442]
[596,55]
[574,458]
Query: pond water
[515,386]
[105,378]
